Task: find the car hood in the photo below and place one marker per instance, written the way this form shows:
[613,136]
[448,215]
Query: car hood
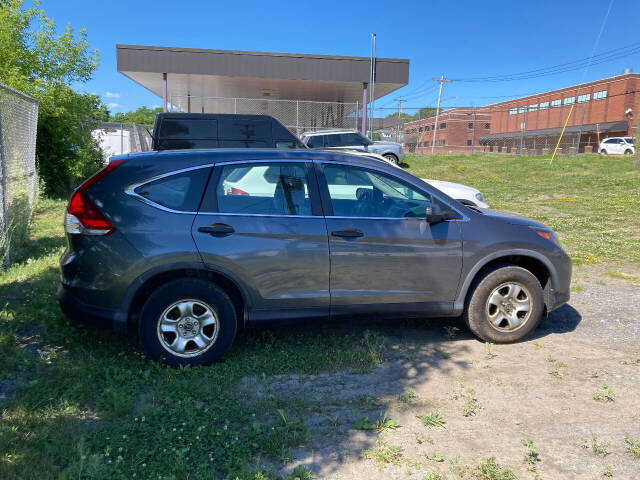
[441,183]
[512,218]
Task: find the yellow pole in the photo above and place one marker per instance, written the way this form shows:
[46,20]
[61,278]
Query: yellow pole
[561,134]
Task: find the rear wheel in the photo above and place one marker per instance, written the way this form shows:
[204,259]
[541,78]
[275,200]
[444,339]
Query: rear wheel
[603,152]
[391,157]
[187,322]
[506,305]
[628,151]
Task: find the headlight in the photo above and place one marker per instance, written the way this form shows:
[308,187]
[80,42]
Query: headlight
[480,197]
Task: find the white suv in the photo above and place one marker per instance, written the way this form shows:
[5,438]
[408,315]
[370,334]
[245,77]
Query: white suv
[617,145]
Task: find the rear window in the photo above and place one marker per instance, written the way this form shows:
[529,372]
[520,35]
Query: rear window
[316,141]
[181,191]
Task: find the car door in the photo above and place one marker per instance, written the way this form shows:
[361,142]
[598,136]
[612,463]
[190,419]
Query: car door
[385,257]
[261,222]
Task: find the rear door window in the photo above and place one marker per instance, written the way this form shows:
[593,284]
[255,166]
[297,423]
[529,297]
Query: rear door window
[262,189]
[316,141]
[180,191]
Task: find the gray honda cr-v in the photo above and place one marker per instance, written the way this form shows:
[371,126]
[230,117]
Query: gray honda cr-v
[188,247]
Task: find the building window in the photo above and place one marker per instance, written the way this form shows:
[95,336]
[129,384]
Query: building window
[556,103]
[470,125]
[487,126]
[533,107]
[420,129]
[570,100]
[522,109]
[513,111]
[425,144]
[407,131]
[600,95]
[441,142]
[427,128]
[468,143]
[584,98]
[443,126]
[544,105]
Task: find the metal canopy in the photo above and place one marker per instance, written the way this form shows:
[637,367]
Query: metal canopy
[200,73]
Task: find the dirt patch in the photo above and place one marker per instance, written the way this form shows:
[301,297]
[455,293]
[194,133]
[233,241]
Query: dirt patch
[490,397]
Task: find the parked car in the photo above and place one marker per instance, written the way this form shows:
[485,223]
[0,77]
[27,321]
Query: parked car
[351,139]
[158,243]
[469,196]
[185,131]
[617,146]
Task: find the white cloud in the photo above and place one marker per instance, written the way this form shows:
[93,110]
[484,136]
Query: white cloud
[113,106]
[111,95]
[155,105]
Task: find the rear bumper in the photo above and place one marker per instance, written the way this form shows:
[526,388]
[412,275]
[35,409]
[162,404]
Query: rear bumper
[80,312]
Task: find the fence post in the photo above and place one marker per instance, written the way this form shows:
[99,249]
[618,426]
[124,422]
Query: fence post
[298,117]
[580,129]
[235,105]
[356,117]
[473,132]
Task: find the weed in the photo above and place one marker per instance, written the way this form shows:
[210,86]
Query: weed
[436,457]
[433,420]
[487,350]
[608,472]
[421,438]
[433,475]
[383,454]
[578,288]
[599,448]
[451,332]
[407,396]
[555,369]
[489,469]
[445,355]
[300,473]
[471,405]
[538,346]
[604,395]
[632,446]
[550,358]
[635,360]
[598,373]
[382,424]
[334,421]
[531,455]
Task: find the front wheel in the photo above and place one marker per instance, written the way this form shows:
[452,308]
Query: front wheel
[603,152]
[628,151]
[189,321]
[505,306]
[391,158]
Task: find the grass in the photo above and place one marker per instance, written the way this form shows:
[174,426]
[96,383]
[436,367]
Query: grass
[382,424]
[592,202]
[75,394]
[632,446]
[604,395]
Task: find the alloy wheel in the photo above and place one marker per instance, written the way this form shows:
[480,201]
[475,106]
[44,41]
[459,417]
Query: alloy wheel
[188,328]
[509,306]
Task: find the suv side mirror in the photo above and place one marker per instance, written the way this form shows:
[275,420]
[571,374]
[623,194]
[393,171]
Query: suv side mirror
[435,214]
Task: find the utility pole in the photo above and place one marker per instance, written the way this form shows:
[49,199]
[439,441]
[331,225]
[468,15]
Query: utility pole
[441,81]
[473,132]
[372,83]
[399,100]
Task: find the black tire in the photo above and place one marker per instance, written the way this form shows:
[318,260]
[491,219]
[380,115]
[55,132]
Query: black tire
[603,152]
[477,310]
[392,158]
[187,289]
[628,151]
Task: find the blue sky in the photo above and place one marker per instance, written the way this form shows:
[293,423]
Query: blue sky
[458,39]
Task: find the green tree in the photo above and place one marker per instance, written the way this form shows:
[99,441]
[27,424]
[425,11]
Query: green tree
[424,112]
[143,115]
[42,63]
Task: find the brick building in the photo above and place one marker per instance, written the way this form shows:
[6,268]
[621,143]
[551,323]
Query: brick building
[458,129]
[601,109]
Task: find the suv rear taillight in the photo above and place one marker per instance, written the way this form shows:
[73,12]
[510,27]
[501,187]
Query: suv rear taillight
[83,216]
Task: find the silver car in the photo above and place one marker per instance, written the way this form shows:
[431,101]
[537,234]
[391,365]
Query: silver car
[353,140]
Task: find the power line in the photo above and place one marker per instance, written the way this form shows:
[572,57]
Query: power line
[608,56]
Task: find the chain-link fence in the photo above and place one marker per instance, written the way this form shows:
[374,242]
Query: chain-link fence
[120,138]
[297,115]
[18,176]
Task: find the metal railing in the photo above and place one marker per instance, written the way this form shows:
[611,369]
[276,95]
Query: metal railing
[18,175]
[121,138]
